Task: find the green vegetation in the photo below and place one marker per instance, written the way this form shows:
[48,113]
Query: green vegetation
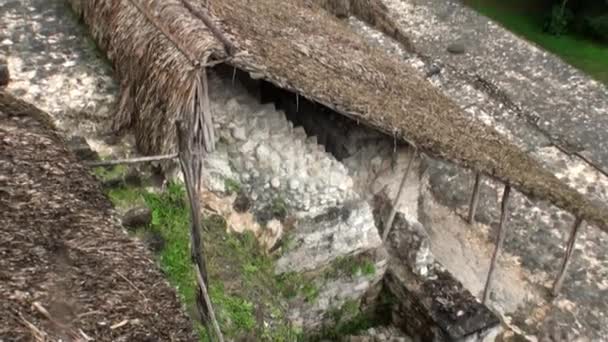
[348,320]
[279,208]
[113,172]
[352,266]
[250,301]
[582,52]
[243,286]
[232,186]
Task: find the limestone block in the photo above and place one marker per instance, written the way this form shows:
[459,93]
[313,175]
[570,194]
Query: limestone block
[340,232]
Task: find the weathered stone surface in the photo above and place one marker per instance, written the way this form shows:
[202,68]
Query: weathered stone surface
[81,148]
[339,288]
[456,48]
[137,217]
[412,244]
[380,334]
[340,232]
[531,257]
[54,65]
[436,308]
[339,8]
[535,100]
[4,72]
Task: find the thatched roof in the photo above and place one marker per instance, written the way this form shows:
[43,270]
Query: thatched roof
[298,46]
[67,269]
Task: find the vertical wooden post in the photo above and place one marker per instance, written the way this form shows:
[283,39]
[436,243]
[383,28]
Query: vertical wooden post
[194,138]
[502,233]
[391,217]
[557,286]
[474,199]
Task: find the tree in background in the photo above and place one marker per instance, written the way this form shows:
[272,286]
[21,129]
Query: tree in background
[586,17]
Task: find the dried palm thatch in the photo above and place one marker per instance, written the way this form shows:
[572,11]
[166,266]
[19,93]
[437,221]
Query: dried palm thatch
[66,265]
[158,61]
[300,47]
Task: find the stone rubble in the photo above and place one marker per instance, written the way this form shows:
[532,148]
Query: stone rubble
[380,334]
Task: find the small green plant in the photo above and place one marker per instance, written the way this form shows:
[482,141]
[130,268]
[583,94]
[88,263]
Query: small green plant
[235,314]
[126,196]
[310,290]
[112,172]
[279,208]
[289,284]
[351,266]
[232,186]
[368,268]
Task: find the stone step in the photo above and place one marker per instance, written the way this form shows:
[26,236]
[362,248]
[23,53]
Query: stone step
[299,133]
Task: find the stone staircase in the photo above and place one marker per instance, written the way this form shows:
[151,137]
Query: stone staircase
[278,165]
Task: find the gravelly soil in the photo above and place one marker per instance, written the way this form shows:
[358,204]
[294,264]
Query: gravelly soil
[62,253]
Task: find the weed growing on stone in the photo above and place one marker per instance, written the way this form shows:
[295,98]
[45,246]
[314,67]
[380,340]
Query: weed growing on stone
[310,290]
[232,186]
[279,208]
[351,265]
[368,268]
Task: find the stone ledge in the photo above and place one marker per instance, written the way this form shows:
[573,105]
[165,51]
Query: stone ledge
[438,308]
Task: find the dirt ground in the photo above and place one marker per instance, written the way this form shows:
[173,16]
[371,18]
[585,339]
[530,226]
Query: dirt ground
[67,270]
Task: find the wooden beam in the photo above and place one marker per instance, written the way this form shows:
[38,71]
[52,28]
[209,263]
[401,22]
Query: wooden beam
[557,286]
[502,233]
[474,199]
[391,217]
[131,160]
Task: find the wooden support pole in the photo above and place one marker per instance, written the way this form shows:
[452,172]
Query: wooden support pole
[391,217]
[502,233]
[474,199]
[557,286]
[131,160]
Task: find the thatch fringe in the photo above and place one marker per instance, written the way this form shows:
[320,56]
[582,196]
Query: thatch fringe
[300,47]
[157,70]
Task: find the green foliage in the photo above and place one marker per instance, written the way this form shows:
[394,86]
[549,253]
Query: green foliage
[279,208]
[597,26]
[126,196]
[368,268]
[351,266]
[292,285]
[347,320]
[559,20]
[112,172]
[234,260]
[310,290]
[232,186]
[583,53]
[234,313]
